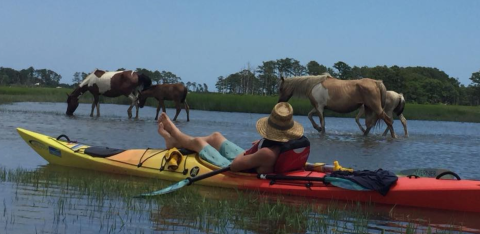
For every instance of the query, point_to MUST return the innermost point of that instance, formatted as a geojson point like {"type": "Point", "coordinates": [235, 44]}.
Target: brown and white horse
{"type": "Point", "coordinates": [170, 92]}
{"type": "Point", "coordinates": [109, 84]}
{"type": "Point", "coordinates": [342, 96]}
{"type": "Point", "coordinates": [395, 102]}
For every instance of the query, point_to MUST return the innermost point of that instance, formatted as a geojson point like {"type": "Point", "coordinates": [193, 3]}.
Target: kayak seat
{"type": "Point", "coordinates": [102, 151]}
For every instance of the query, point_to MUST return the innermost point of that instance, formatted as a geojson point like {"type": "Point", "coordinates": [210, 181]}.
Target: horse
{"type": "Point", "coordinates": [342, 96]}
{"type": "Point", "coordinates": [395, 102]}
{"type": "Point", "coordinates": [170, 92]}
{"type": "Point", "coordinates": [109, 84]}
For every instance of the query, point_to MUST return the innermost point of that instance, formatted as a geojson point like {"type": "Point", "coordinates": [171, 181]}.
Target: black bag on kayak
{"type": "Point", "coordinates": [379, 180]}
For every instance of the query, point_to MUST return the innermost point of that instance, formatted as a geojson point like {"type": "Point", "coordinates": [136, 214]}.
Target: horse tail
{"type": "Point", "coordinates": [185, 91]}
{"type": "Point", "coordinates": [383, 92]}
{"type": "Point", "coordinates": [401, 105]}
{"type": "Point", "coordinates": [145, 81]}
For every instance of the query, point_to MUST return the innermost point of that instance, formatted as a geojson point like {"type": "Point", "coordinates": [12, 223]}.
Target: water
{"type": "Point", "coordinates": [450, 145]}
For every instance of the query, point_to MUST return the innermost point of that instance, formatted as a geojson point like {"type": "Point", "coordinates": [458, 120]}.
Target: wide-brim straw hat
{"type": "Point", "coordinates": [280, 126]}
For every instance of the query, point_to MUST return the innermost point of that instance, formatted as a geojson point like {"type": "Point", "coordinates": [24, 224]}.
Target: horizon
{"type": "Point", "coordinates": [200, 41]}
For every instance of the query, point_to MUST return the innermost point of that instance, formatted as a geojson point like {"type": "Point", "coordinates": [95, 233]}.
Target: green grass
{"type": "Point", "coordinates": [241, 103]}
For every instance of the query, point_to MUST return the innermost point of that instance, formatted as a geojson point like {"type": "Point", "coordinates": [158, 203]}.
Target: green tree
{"type": "Point", "coordinates": [344, 71]}
{"type": "Point", "coordinates": [77, 77]}
{"type": "Point", "coordinates": [315, 69]}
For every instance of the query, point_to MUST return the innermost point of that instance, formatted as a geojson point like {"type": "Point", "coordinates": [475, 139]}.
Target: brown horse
{"type": "Point", "coordinates": [343, 96]}
{"type": "Point", "coordinates": [395, 102]}
{"type": "Point", "coordinates": [109, 84]}
{"type": "Point", "coordinates": [170, 92]}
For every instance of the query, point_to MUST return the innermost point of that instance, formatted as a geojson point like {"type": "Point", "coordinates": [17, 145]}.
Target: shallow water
{"type": "Point", "coordinates": [451, 145]}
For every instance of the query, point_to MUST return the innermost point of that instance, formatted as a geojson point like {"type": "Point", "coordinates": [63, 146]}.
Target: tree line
{"type": "Point", "coordinates": [49, 78]}
{"type": "Point", "coordinates": [423, 85]}
{"type": "Point", "coordinates": [418, 84]}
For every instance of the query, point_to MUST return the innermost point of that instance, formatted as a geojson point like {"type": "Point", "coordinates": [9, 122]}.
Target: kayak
{"type": "Point", "coordinates": [176, 165]}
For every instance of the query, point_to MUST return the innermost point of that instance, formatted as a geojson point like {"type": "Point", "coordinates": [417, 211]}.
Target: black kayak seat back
{"type": "Point", "coordinates": [102, 151]}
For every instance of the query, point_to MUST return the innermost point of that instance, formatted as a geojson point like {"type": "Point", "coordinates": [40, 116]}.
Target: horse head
{"type": "Point", "coordinates": [285, 92]}
{"type": "Point", "coordinates": [141, 100]}
{"type": "Point", "coordinates": [72, 104]}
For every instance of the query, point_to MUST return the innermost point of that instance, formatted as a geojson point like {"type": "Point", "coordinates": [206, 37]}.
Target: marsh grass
{"type": "Point", "coordinates": [105, 203]}
{"type": "Point", "coordinates": [239, 103]}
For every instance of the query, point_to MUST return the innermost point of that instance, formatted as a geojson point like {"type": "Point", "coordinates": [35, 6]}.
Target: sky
{"type": "Point", "coordinates": [202, 40]}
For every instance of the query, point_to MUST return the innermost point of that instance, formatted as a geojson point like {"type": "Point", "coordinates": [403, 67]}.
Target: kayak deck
{"type": "Point", "coordinates": [459, 195]}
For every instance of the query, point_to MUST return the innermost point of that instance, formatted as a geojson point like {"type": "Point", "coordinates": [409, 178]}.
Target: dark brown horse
{"type": "Point", "coordinates": [170, 92]}
{"type": "Point", "coordinates": [342, 96]}
{"type": "Point", "coordinates": [109, 84]}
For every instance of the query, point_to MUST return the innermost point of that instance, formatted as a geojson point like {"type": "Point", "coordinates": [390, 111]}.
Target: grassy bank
{"type": "Point", "coordinates": [241, 103]}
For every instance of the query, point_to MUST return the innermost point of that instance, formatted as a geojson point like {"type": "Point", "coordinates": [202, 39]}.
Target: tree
{"type": "Point", "coordinates": [205, 88]}
{"type": "Point", "coordinates": [315, 69]}
{"type": "Point", "coordinates": [344, 71]}
{"type": "Point", "coordinates": [267, 78]}
{"type": "Point", "coordinates": [475, 78]}
{"type": "Point", "coordinates": [77, 78]}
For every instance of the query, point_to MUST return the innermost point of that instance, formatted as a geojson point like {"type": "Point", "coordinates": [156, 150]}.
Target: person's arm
{"type": "Point", "coordinates": [263, 160]}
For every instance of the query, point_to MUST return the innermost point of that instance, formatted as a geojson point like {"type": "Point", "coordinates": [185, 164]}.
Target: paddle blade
{"type": "Point", "coordinates": [169, 189]}
{"type": "Point", "coordinates": [345, 184]}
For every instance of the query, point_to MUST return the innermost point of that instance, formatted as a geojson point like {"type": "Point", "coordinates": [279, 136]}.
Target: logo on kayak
{"type": "Point", "coordinates": [37, 145]}
{"type": "Point", "coordinates": [54, 151]}
{"type": "Point", "coordinates": [194, 171]}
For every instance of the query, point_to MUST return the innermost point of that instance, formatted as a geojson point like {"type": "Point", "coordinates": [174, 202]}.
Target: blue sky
{"type": "Point", "coordinates": [202, 40]}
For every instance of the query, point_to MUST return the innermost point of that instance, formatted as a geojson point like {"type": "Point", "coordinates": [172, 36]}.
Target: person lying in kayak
{"type": "Point", "coordinates": [283, 147]}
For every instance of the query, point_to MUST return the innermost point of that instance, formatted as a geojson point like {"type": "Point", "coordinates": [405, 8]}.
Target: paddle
{"type": "Point", "coordinates": [335, 181]}
{"type": "Point", "coordinates": [183, 183]}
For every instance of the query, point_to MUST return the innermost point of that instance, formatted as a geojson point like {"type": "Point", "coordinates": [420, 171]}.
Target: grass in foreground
{"type": "Point", "coordinates": [105, 202]}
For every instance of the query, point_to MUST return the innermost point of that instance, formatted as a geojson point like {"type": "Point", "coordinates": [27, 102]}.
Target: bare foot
{"type": "Point", "coordinates": [170, 142]}
{"type": "Point", "coordinates": [167, 123]}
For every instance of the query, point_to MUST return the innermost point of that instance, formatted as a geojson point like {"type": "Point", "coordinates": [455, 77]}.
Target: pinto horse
{"type": "Point", "coordinates": [109, 84]}
{"type": "Point", "coordinates": [395, 102]}
{"type": "Point", "coordinates": [170, 92]}
{"type": "Point", "coordinates": [342, 96]}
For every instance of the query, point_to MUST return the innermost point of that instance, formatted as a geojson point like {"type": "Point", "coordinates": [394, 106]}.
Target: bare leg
{"type": "Point", "coordinates": [182, 140]}
{"type": "Point", "coordinates": [170, 142]}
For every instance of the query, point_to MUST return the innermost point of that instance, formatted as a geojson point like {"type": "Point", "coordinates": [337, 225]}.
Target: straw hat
{"type": "Point", "coordinates": [280, 126]}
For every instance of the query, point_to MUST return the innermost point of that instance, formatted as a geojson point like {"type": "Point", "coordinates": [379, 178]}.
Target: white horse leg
{"type": "Point", "coordinates": [404, 123]}
{"type": "Point", "coordinates": [95, 104]}
{"type": "Point", "coordinates": [322, 118]}
{"type": "Point", "coordinates": [134, 100]}
{"type": "Point", "coordinates": [357, 118]}
{"type": "Point", "coordinates": [98, 109]}
{"type": "Point", "coordinates": [310, 117]}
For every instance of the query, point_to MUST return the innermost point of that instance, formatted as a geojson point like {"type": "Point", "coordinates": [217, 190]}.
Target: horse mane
{"type": "Point", "coordinates": [302, 86]}
{"type": "Point", "coordinates": [144, 80]}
